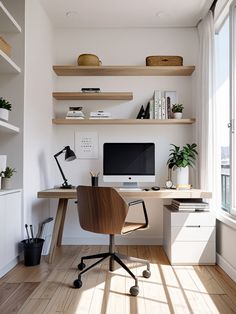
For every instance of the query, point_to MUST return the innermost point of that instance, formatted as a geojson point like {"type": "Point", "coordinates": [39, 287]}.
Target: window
{"type": "Point", "coordinates": [226, 105]}
{"type": "Point", "coordinates": [223, 110]}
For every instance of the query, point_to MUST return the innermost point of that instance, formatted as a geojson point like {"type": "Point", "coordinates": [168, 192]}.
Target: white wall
{"type": "Point", "coordinates": [37, 110]}
{"type": "Point", "coordinates": [225, 247]}
{"type": "Point", "coordinates": [122, 47]}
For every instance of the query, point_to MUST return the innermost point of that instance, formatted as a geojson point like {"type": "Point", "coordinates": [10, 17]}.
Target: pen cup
{"type": "Point", "coordinates": [94, 181]}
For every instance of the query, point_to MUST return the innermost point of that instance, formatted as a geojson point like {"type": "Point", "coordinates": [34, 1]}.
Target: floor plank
{"type": "Point", "coordinates": [18, 298]}
{"type": "Point", "coordinates": [48, 288]}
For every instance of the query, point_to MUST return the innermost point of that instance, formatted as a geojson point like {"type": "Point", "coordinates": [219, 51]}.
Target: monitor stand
{"type": "Point", "coordinates": [130, 186]}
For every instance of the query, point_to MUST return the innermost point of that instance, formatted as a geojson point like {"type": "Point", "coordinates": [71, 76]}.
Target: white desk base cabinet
{"type": "Point", "coordinates": [189, 237]}
{"type": "Point", "coordinates": [10, 229]}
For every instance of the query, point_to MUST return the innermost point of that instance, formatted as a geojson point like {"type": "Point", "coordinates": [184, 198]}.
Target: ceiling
{"type": "Point", "coordinates": [125, 13]}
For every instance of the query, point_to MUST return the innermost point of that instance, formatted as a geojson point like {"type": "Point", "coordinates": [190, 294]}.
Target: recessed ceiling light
{"type": "Point", "coordinates": [71, 13]}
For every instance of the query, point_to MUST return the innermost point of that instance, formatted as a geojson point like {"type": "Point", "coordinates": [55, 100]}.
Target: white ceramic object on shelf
{"type": "Point", "coordinates": [3, 162]}
{"type": "Point", "coordinates": [178, 115]}
{"type": "Point", "coordinates": [4, 114]}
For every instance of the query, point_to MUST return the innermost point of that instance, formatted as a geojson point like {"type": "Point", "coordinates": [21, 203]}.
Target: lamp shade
{"type": "Point", "coordinates": [69, 154]}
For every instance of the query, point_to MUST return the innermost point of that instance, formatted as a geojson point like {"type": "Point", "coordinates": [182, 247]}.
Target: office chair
{"type": "Point", "coordinates": [103, 210]}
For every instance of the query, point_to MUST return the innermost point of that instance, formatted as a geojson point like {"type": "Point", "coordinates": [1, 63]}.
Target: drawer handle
{"type": "Point", "coordinates": [193, 226]}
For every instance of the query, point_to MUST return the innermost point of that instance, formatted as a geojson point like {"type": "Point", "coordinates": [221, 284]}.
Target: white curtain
{"type": "Point", "coordinates": [232, 31]}
{"type": "Point", "coordinates": [205, 108]}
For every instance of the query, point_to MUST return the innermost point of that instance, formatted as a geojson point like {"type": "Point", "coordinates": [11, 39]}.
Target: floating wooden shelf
{"type": "Point", "coordinates": [64, 70]}
{"type": "Point", "coordinates": [7, 22]}
{"type": "Point", "coordinates": [7, 65]}
{"type": "Point", "coordinates": [122, 121]}
{"type": "Point", "coordinates": [93, 96]}
{"type": "Point", "coordinates": [6, 127]}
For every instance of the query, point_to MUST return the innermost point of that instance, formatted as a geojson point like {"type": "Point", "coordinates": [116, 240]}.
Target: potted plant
{"type": "Point", "coordinates": [177, 110]}
{"type": "Point", "coordinates": [5, 107]}
{"type": "Point", "coordinates": [6, 177]}
{"type": "Point", "coordinates": [180, 160]}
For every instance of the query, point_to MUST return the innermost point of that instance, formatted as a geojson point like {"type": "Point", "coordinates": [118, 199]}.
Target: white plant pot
{"type": "Point", "coordinates": [182, 176]}
{"type": "Point", "coordinates": [178, 115]}
{"type": "Point", "coordinates": [6, 183]}
{"type": "Point", "coordinates": [4, 114]}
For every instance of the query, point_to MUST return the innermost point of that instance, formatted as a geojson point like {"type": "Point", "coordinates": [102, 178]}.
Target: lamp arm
{"type": "Point", "coordinates": [63, 176]}
{"type": "Point", "coordinates": [59, 153]}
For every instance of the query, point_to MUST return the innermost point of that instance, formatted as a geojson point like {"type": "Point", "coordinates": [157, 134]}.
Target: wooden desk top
{"type": "Point", "coordinates": [163, 193]}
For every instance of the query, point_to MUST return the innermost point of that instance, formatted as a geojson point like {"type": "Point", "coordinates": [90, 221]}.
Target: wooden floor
{"type": "Point", "coordinates": [181, 289]}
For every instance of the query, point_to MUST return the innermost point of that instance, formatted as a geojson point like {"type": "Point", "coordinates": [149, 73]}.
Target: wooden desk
{"type": "Point", "coordinates": [64, 195]}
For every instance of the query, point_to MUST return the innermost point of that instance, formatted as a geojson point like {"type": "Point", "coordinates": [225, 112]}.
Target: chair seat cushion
{"type": "Point", "coordinates": [131, 226]}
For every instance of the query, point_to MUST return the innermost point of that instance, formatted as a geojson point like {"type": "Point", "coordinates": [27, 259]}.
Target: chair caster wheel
{"type": "Point", "coordinates": [78, 283]}
{"type": "Point", "coordinates": [146, 273]}
{"type": "Point", "coordinates": [134, 291]}
{"type": "Point", "coordinates": [81, 266]}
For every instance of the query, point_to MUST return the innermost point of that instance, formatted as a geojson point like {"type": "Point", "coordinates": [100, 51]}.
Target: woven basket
{"type": "Point", "coordinates": [88, 59]}
{"type": "Point", "coordinates": [164, 60]}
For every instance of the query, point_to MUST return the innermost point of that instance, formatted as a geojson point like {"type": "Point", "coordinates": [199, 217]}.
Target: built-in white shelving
{"type": "Point", "coordinates": [6, 127]}
{"type": "Point", "coordinates": [7, 21]}
{"type": "Point", "coordinates": [7, 65]}
{"type": "Point", "coordinates": [7, 24]}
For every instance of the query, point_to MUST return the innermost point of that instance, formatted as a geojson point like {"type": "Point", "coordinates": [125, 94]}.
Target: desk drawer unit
{"type": "Point", "coordinates": [189, 237]}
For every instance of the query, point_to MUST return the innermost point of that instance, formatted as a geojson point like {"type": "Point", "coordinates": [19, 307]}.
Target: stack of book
{"type": "Point", "coordinates": [100, 114]}
{"type": "Point", "coordinates": [161, 104]}
{"type": "Point", "coordinates": [189, 204]}
{"type": "Point", "coordinates": [75, 113]}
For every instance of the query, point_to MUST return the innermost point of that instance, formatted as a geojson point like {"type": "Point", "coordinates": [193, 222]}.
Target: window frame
{"type": "Point", "coordinates": [231, 13]}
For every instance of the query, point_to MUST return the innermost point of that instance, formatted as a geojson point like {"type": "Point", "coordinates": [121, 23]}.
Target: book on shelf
{"type": "Point", "coordinates": [75, 112]}
{"type": "Point", "coordinates": [189, 205]}
{"type": "Point", "coordinates": [78, 118]}
{"type": "Point", "coordinates": [163, 108]}
{"type": "Point", "coordinates": [99, 118]}
{"type": "Point", "coordinates": [100, 114]}
{"type": "Point", "coordinates": [203, 206]}
{"type": "Point", "coordinates": [162, 103]}
{"type": "Point", "coordinates": [157, 104]}
{"type": "Point", "coordinates": [151, 109]}
{"type": "Point", "coordinates": [171, 99]}
{"type": "Point", "coordinates": [189, 201]}
{"type": "Point", "coordinates": [90, 90]}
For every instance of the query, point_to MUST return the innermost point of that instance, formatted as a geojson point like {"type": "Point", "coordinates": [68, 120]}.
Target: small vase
{"type": "Point", "coordinates": [4, 114]}
{"type": "Point", "coordinates": [6, 183]}
{"type": "Point", "coordinates": [178, 115]}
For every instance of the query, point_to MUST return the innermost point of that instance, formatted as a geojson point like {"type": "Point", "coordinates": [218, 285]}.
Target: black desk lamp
{"type": "Point", "coordinates": [69, 156]}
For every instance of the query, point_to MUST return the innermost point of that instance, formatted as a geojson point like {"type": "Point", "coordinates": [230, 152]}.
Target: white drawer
{"type": "Point", "coordinates": [196, 233]}
{"type": "Point", "coordinates": [193, 253]}
{"type": "Point", "coordinates": [192, 219]}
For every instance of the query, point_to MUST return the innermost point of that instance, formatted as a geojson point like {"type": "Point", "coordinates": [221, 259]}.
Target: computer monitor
{"type": "Point", "coordinates": [129, 163]}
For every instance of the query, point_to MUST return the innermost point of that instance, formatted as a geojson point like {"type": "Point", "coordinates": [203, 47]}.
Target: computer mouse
{"type": "Point", "coordinates": [155, 188]}
{"type": "Point", "coordinates": [146, 189]}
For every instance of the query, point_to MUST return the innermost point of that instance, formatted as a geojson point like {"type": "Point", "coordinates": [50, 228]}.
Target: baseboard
{"type": "Point", "coordinates": [226, 266]}
{"type": "Point", "coordinates": [119, 241]}
{"type": "Point", "coordinates": [9, 266]}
